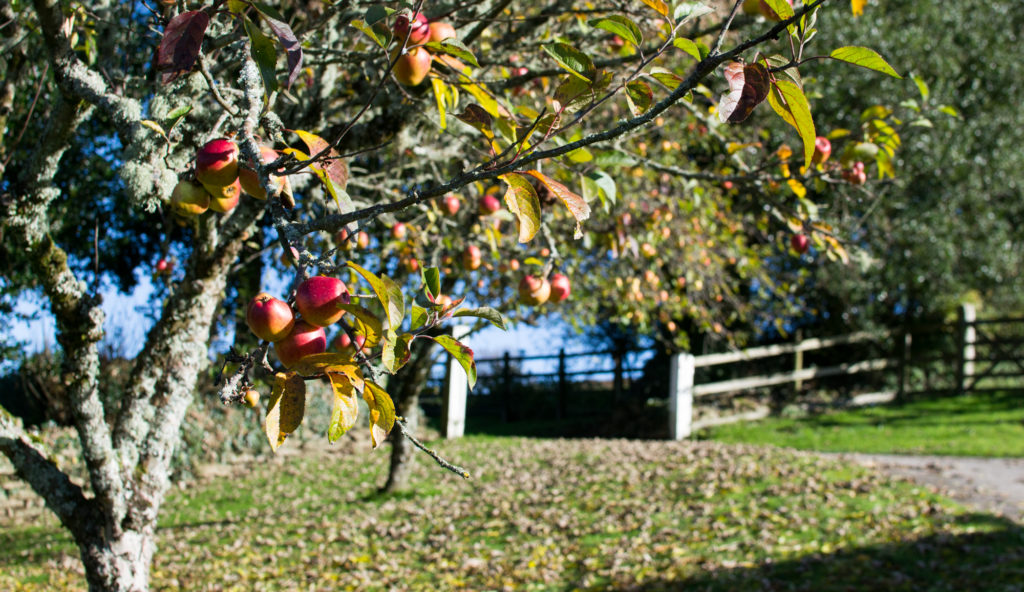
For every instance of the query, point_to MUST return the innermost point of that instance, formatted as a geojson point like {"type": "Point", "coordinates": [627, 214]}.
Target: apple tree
{"type": "Point", "coordinates": [218, 135]}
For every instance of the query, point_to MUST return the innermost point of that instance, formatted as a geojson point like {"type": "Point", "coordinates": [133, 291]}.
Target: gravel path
{"type": "Point", "coordinates": [987, 484]}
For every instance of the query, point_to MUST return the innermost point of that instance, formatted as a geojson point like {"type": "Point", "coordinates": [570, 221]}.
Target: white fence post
{"type": "Point", "coordinates": [456, 387]}
{"type": "Point", "coordinates": [968, 338]}
{"type": "Point", "coordinates": [680, 396]}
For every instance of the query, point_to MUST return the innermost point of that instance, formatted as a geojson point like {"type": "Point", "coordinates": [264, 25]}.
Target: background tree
{"type": "Point", "coordinates": [367, 136]}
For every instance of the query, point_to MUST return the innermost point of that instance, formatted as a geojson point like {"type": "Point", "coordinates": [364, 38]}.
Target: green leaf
{"type": "Point", "coordinates": [666, 77]}
{"type": "Point", "coordinates": [484, 312]}
{"type": "Point", "coordinates": [573, 60]}
{"type": "Point", "coordinates": [949, 110]}
{"type": "Point", "coordinates": [286, 408]}
{"type": "Point", "coordinates": [605, 182]}
{"type": "Point", "coordinates": [639, 97]}
{"type": "Point", "coordinates": [521, 199]}
{"type": "Point", "coordinates": [621, 26]}
{"type": "Point", "coordinates": [345, 411]}
{"type": "Point", "coordinates": [395, 352]}
{"type": "Point", "coordinates": [689, 47]}
{"type": "Point", "coordinates": [389, 294]}
{"type": "Point", "coordinates": [370, 32]}
{"type": "Point", "coordinates": [432, 281]}
{"type": "Point", "coordinates": [865, 58]}
{"type": "Point", "coordinates": [417, 317]}
{"type": "Point", "coordinates": [382, 412]}
{"type": "Point", "coordinates": [922, 86]}
{"type": "Point", "coordinates": [461, 353]}
{"type": "Point", "coordinates": [377, 13]}
{"type": "Point", "coordinates": [454, 47]}
{"type": "Point", "coordinates": [264, 53]}
{"type": "Point", "coordinates": [533, 261]}
{"type": "Point", "coordinates": [686, 11]}
{"type": "Point", "coordinates": [789, 101]}
{"type": "Point", "coordinates": [781, 8]}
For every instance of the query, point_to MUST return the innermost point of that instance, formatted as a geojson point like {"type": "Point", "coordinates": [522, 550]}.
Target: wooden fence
{"type": "Point", "coordinates": [967, 354]}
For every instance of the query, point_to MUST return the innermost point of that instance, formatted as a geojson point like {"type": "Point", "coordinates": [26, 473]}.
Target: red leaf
{"type": "Point", "coordinates": [577, 205]}
{"type": "Point", "coordinates": [291, 45]}
{"type": "Point", "coordinates": [748, 88]}
{"type": "Point", "coordinates": [336, 167]}
{"type": "Point", "coordinates": [180, 46]}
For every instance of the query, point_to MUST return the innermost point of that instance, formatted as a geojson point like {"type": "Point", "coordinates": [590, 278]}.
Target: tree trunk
{"type": "Point", "coordinates": [118, 565]}
{"type": "Point", "coordinates": [410, 382]}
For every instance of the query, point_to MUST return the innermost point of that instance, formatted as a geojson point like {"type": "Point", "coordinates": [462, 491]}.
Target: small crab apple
{"type": "Point", "coordinates": [534, 290]}
{"type": "Point", "coordinates": [800, 243]}
{"type": "Point", "coordinates": [560, 287]}
{"type": "Point", "coordinates": [189, 198]}
{"type": "Point", "coordinates": [489, 204]}
{"type": "Point", "coordinates": [268, 318]}
{"type": "Point", "coordinates": [318, 298]}
{"type": "Point", "coordinates": [224, 199]}
{"type": "Point", "coordinates": [399, 231]}
{"type": "Point", "coordinates": [417, 29]}
{"type": "Point", "coordinates": [303, 340]}
{"type": "Point", "coordinates": [250, 181]}
{"type": "Point", "coordinates": [451, 205]}
{"type": "Point", "coordinates": [444, 301]}
{"type": "Point", "coordinates": [440, 31]}
{"type": "Point", "coordinates": [362, 239]}
{"type": "Point", "coordinates": [855, 175]}
{"type": "Point", "coordinates": [412, 66]}
{"type": "Point", "coordinates": [163, 266]}
{"type": "Point", "coordinates": [217, 163]}
{"type": "Point", "coordinates": [822, 150]}
{"type": "Point", "coordinates": [343, 341]}
{"type": "Point", "coordinates": [472, 258]}
{"type": "Point", "coordinates": [251, 398]}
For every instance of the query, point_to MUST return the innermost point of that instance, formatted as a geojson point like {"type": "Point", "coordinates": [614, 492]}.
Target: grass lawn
{"type": "Point", "coordinates": [972, 425]}
{"type": "Point", "coordinates": [549, 514]}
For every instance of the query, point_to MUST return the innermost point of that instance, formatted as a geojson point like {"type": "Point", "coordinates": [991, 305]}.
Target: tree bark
{"type": "Point", "coordinates": [410, 382]}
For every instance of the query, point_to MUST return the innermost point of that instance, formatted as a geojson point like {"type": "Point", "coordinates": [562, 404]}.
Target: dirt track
{"type": "Point", "coordinates": [986, 484]}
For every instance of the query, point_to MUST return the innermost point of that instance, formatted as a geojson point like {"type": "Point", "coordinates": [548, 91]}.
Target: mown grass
{"type": "Point", "coordinates": [556, 515]}
{"type": "Point", "coordinates": [972, 425]}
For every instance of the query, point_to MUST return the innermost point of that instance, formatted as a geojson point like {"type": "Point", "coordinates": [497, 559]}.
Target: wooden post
{"type": "Point", "coordinates": [453, 414]}
{"type": "Point", "coordinates": [563, 384]}
{"type": "Point", "coordinates": [680, 396]}
{"type": "Point", "coordinates": [967, 335]}
{"type": "Point", "coordinates": [798, 362]}
{"type": "Point", "coordinates": [506, 388]}
{"type": "Point", "coordinates": [904, 368]}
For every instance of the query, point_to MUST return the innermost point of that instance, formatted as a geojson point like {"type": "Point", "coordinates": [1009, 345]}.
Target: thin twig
{"type": "Point", "coordinates": [445, 464]}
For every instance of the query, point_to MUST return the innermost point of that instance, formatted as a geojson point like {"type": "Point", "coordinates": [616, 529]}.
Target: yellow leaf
{"type": "Point", "coordinates": [382, 412]}
{"type": "Point", "coordinates": [657, 5]}
{"type": "Point", "coordinates": [153, 126]}
{"type": "Point", "coordinates": [858, 6]}
{"type": "Point", "coordinates": [796, 187]}
{"type": "Point", "coordinates": [286, 408]}
{"type": "Point", "coordinates": [318, 363]}
{"type": "Point", "coordinates": [346, 407]}
{"type": "Point", "coordinates": [439, 94]}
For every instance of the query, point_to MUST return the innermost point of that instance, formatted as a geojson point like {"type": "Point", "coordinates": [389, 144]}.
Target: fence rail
{"type": "Point", "coordinates": [977, 354]}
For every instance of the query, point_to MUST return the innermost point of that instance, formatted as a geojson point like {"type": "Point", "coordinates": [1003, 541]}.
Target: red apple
{"type": "Point", "coordinates": [318, 298]}
{"type": "Point", "coordinates": [800, 243]}
{"type": "Point", "coordinates": [362, 239]}
{"type": "Point", "coordinates": [418, 31]}
{"type": "Point", "coordinates": [489, 204]}
{"type": "Point", "coordinates": [343, 341]}
{"type": "Point", "coordinates": [189, 198]}
{"type": "Point", "coordinates": [412, 67]}
{"type": "Point", "coordinates": [268, 318]}
{"type": "Point", "coordinates": [164, 266]}
{"type": "Point", "coordinates": [822, 150]}
{"type": "Point", "coordinates": [398, 231]}
{"type": "Point", "coordinates": [768, 13]}
{"type": "Point", "coordinates": [560, 287]}
{"type": "Point", "coordinates": [224, 199]}
{"type": "Point", "coordinates": [534, 290]}
{"type": "Point", "coordinates": [513, 264]}
{"type": "Point", "coordinates": [728, 185]}
{"type": "Point", "coordinates": [471, 258]}
{"type": "Point", "coordinates": [250, 180]}
{"type": "Point", "coordinates": [856, 175]}
{"type": "Point", "coordinates": [217, 163]}
{"type": "Point", "coordinates": [452, 205]}
{"type": "Point", "coordinates": [303, 340]}
{"type": "Point", "coordinates": [440, 31]}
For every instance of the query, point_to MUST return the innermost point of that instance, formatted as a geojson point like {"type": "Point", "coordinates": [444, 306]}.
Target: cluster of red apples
{"type": "Point", "coordinates": [220, 180]}
{"type": "Point", "coordinates": [412, 66]}
{"type": "Point", "coordinates": [318, 301]}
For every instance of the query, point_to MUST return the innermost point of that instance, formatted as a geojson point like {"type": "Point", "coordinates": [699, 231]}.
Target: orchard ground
{"type": "Point", "coordinates": [552, 514]}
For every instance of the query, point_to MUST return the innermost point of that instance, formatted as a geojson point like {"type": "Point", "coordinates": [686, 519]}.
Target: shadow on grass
{"type": "Point", "coordinates": [992, 560]}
